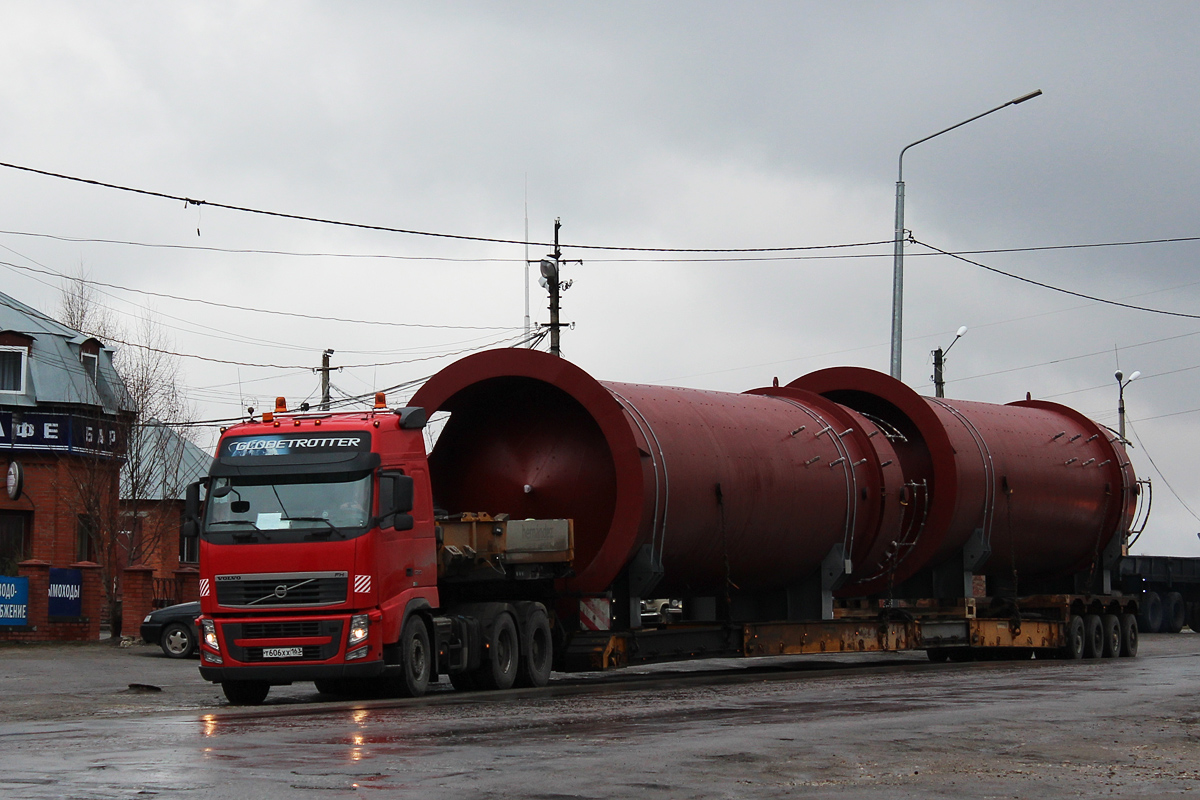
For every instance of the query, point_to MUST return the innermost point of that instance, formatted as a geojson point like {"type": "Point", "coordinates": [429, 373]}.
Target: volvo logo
{"type": "Point", "coordinates": [281, 591]}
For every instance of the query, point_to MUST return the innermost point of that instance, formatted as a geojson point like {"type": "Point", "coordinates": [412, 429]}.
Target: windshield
{"type": "Point", "coordinates": [317, 503]}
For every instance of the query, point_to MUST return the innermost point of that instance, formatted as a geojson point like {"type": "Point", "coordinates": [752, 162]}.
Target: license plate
{"type": "Point", "coordinates": [283, 652]}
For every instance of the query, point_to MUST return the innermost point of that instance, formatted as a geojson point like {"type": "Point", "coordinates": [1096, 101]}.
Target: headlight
{"type": "Point", "coordinates": [210, 634]}
{"type": "Point", "coordinates": [358, 630]}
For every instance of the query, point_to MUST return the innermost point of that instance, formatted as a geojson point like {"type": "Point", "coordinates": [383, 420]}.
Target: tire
{"type": "Point", "coordinates": [245, 693]}
{"type": "Point", "coordinates": [1093, 636]}
{"type": "Point", "coordinates": [537, 649]}
{"type": "Point", "coordinates": [937, 655]}
{"type": "Point", "coordinates": [1194, 617]}
{"type": "Point", "coordinates": [1112, 635]}
{"type": "Point", "coordinates": [416, 657]}
{"type": "Point", "coordinates": [1173, 613]}
{"type": "Point", "coordinates": [1129, 636]}
{"type": "Point", "coordinates": [1072, 650]}
{"type": "Point", "coordinates": [502, 656]}
{"type": "Point", "coordinates": [1150, 613]}
{"type": "Point", "coordinates": [177, 641]}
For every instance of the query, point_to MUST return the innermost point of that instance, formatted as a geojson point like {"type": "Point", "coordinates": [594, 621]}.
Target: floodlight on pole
{"type": "Point", "coordinates": [898, 253]}
{"type": "Point", "coordinates": [1122, 382]}
{"type": "Point", "coordinates": [939, 355]}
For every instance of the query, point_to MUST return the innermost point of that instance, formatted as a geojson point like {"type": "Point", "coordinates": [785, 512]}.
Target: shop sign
{"type": "Point", "coordinates": [14, 601]}
{"type": "Point", "coordinates": [66, 590]}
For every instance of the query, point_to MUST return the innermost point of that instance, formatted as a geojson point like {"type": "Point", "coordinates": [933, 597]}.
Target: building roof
{"type": "Point", "coordinates": [55, 374]}
{"type": "Point", "coordinates": [163, 465]}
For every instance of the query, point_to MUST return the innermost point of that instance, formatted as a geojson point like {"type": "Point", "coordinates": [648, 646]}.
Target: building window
{"type": "Point", "coordinates": [12, 369]}
{"type": "Point", "coordinates": [189, 547]}
{"type": "Point", "coordinates": [91, 363]}
{"type": "Point", "coordinates": [85, 538]}
{"type": "Point", "coordinates": [15, 545]}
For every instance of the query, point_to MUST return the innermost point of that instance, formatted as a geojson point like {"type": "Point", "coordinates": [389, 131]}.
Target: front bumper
{"type": "Point", "coordinates": [279, 674]}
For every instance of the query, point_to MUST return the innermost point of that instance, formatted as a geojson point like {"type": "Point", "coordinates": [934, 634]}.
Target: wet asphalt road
{"type": "Point", "coordinates": [71, 727]}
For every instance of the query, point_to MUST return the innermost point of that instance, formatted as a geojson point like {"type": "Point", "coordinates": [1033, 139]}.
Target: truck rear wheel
{"type": "Point", "coordinates": [415, 657]}
{"type": "Point", "coordinates": [1093, 636]}
{"type": "Point", "coordinates": [537, 649]}
{"type": "Point", "coordinates": [1112, 635]}
{"type": "Point", "coordinates": [499, 670]}
{"type": "Point", "coordinates": [245, 693]}
{"type": "Point", "coordinates": [1194, 617]}
{"type": "Point", "coordinates": [1129, 636]}
{"type": "Point", "coordinates": [1150, 613]}
{"type": "Point", "coordinates": [1173, 612]}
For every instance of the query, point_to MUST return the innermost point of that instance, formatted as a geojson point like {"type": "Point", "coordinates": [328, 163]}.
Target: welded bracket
{"type": "Point", "coordinates": [812, 597]}
{"type": "Point", "coordinates": [955, 578]}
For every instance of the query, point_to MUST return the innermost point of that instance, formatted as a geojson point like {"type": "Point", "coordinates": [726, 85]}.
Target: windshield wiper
{"type": "Point", "coordinates": [332, 528]}
{"type": "Point", "coordinates": [241, 536]}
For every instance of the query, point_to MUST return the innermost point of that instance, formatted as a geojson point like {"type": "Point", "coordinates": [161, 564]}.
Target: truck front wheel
{"type": "Point", "coordinates": [415, 657]}
{"type": "Point", "coordinates": [245, 693]}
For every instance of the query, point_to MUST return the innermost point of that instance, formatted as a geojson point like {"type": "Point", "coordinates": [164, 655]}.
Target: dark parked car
{"type": "Point", "coordinates": [173, 629]}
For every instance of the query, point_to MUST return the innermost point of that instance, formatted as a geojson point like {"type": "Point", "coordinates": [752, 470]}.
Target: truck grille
{"type": "Point", "coordinates": [278, 630]}
{"type": "Point", "coordinates": [289, 589]}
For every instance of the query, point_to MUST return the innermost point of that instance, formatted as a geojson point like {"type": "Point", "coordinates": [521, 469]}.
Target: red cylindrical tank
{"type": "Point", "coordinates": [739, 490]}
{"type": "Point", "coordinates": [1047, 487]}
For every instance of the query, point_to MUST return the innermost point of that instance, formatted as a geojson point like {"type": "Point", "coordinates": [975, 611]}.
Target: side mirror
{"type": "Point", "coordinates": [396, 500]}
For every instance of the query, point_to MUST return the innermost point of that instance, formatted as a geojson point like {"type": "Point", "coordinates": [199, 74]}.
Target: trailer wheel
{"type": "Point", "coordinates": [1173, 612]}
{"type": "Point", "coordinates": [1073, 648]}
{"type": "Point", "coordinates": [1150, 613]}
{"type": "Point", "coordinates": [464, 681]}
{"type": "Point", "coordinates": [415, 657]}
{"type": "Point", "coordinates": [1112, 635]}
{"type": "Point", "coordinates": [245, 693]}
{"type": "Point", "coordinates": [1194, 618]}
{"type": "Point", "coordinates": [503, 654]}
{"type": "Point", "coordinates": [1129, 636]}
{"type": "Point", "coordinates": [537, 649]}
{"type": "Point", "coordinates": [937, 655]}
{"type": "Point", "coordinates": [1093, 636]}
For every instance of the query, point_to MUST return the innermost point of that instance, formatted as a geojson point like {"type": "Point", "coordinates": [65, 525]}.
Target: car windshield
{"type": "Point", "coordinates": [333, 503]}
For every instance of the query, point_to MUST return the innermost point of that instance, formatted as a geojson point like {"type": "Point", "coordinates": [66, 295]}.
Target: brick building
{"type": "Point", "coordinates": [63, 414]}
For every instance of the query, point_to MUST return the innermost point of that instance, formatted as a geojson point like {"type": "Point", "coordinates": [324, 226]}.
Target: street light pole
{"type": "Point", "coordinates": [1121, 384]}
{"type": "Point", "coordinates": [939, 356]}
{"type": "Point", "coordinates": [898, 250]}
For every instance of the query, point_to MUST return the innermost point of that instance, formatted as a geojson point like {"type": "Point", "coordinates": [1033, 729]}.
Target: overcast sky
{"type": "Point", "coordinates": [670, 124]}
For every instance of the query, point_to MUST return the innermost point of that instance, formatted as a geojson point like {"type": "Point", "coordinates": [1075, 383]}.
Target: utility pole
{"type": "Point", "coordinates": [324, 370]}
{"type": "Point", "coordinates": [551, 280]}
{"type": "Point", "coordinates": [939, 362]}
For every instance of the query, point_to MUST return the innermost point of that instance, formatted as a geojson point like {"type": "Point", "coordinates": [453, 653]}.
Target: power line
{"type": "Point", "coordinates": [1057, 288]}
{"type": "Point", "coordinates": [1146, 453]}
{"type": "Point", "coordinates": [385, 229]}
{"type": "Point", "coordinates": [232, 307]}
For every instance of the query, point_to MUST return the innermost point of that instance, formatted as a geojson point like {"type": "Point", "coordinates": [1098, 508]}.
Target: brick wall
{"type": "Point", "coordinates": [41, 627]}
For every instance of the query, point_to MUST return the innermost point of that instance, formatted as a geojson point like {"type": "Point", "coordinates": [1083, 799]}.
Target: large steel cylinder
{"type": "Point", "coordinates": [1045, 487]}
{"type": "Point", "coordinates": [737, 492]}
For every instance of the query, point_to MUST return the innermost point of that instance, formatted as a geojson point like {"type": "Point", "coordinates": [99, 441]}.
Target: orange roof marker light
{"type": "Point", "coordinates": [280, 405]}
{"type": "Point", "coordinates": [380, 400]}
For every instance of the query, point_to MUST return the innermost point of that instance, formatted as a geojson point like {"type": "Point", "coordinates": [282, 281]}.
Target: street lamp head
{"type": "Point", "coordinates": [961, 332]}
{"type": "Point", "coordinates": [549, 269]}
{"type": "Point", "coordinates": [1134, 376]}
{"type": "Point", "coordinates": [1120, 376]}
{"type": "Point", "coordinates": [1029, 96]}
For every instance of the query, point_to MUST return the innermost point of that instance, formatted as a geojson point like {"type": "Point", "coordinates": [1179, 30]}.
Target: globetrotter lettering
{"type": "Point", "coordinates": [281, 444]}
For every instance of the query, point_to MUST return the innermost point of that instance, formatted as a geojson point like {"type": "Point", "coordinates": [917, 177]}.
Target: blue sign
{"type": "Point", "coordinates": [64, 432]}
{"type": "Point", "coordinates": [14, 601]}
{"type": "Point", "coordinates": [66, 590]}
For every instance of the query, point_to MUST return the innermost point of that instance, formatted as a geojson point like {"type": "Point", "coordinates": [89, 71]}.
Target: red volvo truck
{"type": "Point", "coordinates": [841, 512]}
